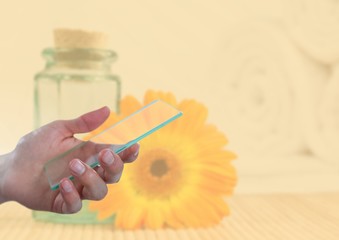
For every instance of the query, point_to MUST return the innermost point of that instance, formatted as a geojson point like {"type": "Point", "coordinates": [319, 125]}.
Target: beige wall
{"type": "Point", "coordinates": [168, 45]}
{"type": "Point", "coordinates": [249, 61]}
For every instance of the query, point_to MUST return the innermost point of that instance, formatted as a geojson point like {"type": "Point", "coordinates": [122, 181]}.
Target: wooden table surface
{"type": "Point", "coordinates": [264, 217]}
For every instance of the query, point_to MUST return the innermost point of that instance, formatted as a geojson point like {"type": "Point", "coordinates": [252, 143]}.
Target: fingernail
{"type": "Point", "coordinates": [136, 150]}
{"type": "Point", "coordinates": [66, 186]}
{"type": "Point", "coordinates": [117, 178]}
{"type": "Point", "coordinates": [77, 167]}
{"type": "Point", "coordinates": [108, 157]}
{"type": "Point", "coordinates": [133, 156]}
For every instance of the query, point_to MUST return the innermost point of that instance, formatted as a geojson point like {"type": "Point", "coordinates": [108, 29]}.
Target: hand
{"type": "Point", "coordinates": [21, 171]}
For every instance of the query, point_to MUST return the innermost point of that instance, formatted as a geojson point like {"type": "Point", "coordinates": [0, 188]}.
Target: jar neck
{"type": "Point", "coordinates": [78, 59]}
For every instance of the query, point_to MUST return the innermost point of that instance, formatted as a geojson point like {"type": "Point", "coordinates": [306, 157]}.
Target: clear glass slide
{"type": "Point", "coordinates": [119, 136]}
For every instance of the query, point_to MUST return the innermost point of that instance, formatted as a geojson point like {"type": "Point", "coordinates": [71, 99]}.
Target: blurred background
{"type": "Point", "coordinates": [266, 69]}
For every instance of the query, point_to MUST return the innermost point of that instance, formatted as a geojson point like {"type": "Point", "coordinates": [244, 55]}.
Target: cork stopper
{"type": "Point", "coordinates": [73, 38]}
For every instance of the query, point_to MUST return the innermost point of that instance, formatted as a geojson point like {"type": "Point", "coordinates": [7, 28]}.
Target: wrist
{"type": "Point", "coordinates": [3, 179]}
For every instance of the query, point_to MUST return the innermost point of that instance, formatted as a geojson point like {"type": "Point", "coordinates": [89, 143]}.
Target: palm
{"type": "Point", "coordinates": [52, 142]}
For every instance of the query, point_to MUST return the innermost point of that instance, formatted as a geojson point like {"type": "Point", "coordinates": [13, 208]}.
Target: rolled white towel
{"type": "Point", "coordinates": [257, 75]}
{"type": "Point", "coordinates": [314, 25]}
{"type": "Point", "coordinates": [322, 116]}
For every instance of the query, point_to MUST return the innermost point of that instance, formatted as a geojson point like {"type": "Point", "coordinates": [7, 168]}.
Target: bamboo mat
{"type": "Point", "coordinates": [278, 216]}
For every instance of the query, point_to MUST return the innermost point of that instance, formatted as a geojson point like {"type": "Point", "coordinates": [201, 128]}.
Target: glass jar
{"type": "Point", "coordinates": [73, 82]}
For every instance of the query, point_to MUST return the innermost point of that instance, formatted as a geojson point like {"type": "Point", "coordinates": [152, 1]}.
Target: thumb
{"type": "Point", "coordinates": [87, 122]}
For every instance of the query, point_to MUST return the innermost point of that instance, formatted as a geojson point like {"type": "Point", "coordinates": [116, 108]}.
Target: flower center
{"type": "Point", "coordinates": [159, 175]}
{"type": "Point", "coordinates": [159, 168]}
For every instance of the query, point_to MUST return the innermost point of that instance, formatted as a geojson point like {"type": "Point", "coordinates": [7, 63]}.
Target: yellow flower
{"type": "Point", "coordinates": [181, 176]}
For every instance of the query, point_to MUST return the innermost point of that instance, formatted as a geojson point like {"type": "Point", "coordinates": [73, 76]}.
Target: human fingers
{"type": "Point", "coordinates": [87, 122]}
{"type": "Point", "coordinates": [130, 154]}
{"type": "Point", "coordinates": [112, 166]}
{"type": "Point", "coordinates": [90, 185]}
{"type": "Point", "coordinates": [71, 200]}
